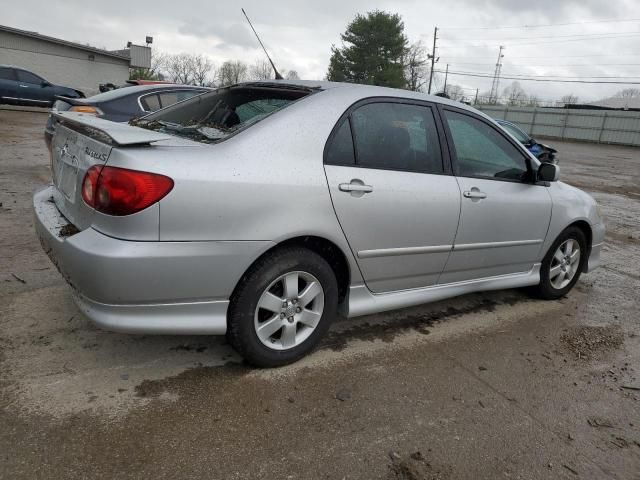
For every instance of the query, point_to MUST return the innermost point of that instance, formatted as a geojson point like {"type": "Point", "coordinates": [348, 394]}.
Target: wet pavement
{"type": "Point", "coordinates": [494, 385]}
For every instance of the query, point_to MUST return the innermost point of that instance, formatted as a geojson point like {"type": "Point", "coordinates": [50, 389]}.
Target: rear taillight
{"type": "Point", "coordinates": [119, 191]}
{"type": "Point", "coordinates": [86, 109]}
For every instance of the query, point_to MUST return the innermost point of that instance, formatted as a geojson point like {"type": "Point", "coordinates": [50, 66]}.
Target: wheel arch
{"type": "Point", "coordinates": [588, 233]}
{"type": "Point", "coordinates": [327, 249]}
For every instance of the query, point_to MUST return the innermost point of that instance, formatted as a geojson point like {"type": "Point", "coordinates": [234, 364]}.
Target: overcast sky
{"type": "Point", "coordinates": [299, 34]}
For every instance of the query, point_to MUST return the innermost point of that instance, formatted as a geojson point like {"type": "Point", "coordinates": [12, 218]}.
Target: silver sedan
{"type": "Point", "coordinates": [262, 210]}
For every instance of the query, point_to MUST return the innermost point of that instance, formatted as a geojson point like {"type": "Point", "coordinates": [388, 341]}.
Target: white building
{"type": "Point", "coordinates": [69, 64]}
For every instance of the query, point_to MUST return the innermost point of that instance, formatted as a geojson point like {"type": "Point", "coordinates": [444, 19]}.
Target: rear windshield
{"type": "Point", "coordinates": [214, 116]}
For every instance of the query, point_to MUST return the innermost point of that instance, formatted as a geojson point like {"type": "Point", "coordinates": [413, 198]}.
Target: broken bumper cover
{"type": "Point", "coordinates": [145, 287]}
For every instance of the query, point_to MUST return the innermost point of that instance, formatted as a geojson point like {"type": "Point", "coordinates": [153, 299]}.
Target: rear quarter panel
{"type": "Point", "coordinates": [265, 183]}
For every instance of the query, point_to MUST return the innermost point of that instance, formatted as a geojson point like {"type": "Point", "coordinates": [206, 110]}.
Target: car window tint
{"type": "Point", "coordinates": [150, 103]}
{"type": "Point", "coordinates": [6, 74]}
{"type": "Point", "coordinates": [340, 148]}
{"type": "Point", "coordinates": [481, 151]}
{"type": "Point", "coordinates": [516, 132]}
{"type": "Point", "coordinates": [169, 98]}
{"type": "Point", "coordinates": [28, 77]}
{"type": "Point", "coordinates": [397, 136]}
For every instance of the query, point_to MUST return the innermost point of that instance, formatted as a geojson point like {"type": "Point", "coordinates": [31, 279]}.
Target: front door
{"type": "Point", "coordinates": [504, 217]}
{"type": "Point", "coordinates": [32, 89]}
{"type": "Point", "coordinates": [395, 202]}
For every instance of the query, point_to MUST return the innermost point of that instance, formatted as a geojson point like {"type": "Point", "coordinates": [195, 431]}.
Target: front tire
{"type": "Point", "coordinates": [563, 264]}
{"type": "Point", "coordinates": [282, 307]}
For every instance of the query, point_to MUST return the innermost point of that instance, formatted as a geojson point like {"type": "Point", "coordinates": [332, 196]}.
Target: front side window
{"type": "Point", "coordinates": [169, 98]}
{"type": "Point", "coordinates": [28, 77]}
{"type": "Point", "coordinates": [396, 136]}
{"type": "Point", "coordinates": [150, 103]}
{"type": "Point", "coordinates": [483, 152]}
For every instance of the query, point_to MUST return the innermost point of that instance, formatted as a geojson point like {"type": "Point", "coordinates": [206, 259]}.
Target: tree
{"type": "Point", "coordinates": [455, 92]}
{"type": "Point", "coordinates": [533, 101]}
{"type": "Point", "coordinates": [232, 72]}
{"type": "Point", "coordinates": [628, 93]}
{"type": "Point", "coordinates": [372, 52]}
{"type": "Point", "coordinates": [292, 75]}
{"type": "Point", "coordinates": [261, 70]}
{"type": "Point", "coordinates": [179, 68]}
{"type": "Point", "coordinates": [569, 99]}
{"type": "Point", "coordinates": [515, 94]}
{"type": "Point", "coordinates": [415, 67]}
{"type": "Point", "coordinates": [201, 67]}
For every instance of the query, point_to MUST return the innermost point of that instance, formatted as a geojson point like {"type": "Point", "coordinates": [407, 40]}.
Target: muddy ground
{"type": "Point", "coordinates": [490, 386]}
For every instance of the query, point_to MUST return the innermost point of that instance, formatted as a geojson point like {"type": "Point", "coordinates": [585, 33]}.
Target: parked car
{"type": "Point", "coordinates": [21, 87]}
{"type": "Point", "coordinates": [262, 209]}
{"type": "Point", "coordinates": [122, 105]}
{"type": "Point", "coordinates": [542, 152]}
{"type": "Point", "coordinates": [106, 87]}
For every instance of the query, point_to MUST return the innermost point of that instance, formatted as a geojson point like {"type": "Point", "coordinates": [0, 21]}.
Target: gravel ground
{"type": "Point", "coordinates": [496, 385]}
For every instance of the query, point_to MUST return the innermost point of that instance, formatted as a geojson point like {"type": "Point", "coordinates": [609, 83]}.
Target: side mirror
{"type": "Point", "coordinates": [44, 83]}
{"type": "Point", "coordinates": [548, 172]}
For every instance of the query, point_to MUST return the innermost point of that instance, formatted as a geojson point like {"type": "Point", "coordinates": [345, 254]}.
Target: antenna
{"type": "Point", "coordinates": [278, 76]}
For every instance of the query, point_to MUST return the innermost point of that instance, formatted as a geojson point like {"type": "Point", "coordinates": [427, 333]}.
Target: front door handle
{"type": "Point", "coordinates": [474, 193]}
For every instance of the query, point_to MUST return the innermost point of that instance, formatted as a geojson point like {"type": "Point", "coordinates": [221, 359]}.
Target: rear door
{"type": "Point", "coordinates": [504, 216]}
{"type": "Point", "coordinates": [8, 84]}
{"type": "Point", "coordinates": [392, 192]}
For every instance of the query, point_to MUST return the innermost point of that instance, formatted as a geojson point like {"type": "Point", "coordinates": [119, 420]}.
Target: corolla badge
{"type": "Point", "coordinates": [96, 155]}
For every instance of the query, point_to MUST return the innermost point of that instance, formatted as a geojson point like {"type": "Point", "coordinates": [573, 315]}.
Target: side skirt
{"type": "Point", "coordinates": [363, 302]}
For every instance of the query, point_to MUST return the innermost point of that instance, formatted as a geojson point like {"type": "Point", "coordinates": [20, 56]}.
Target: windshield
{"type": "Point", "coordinates": [213, 116]}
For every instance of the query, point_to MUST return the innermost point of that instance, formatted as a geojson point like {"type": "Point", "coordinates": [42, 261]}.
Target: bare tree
{"type": "Point", "coordinates": [292, 75]}
{"type": "Point", "coordinates": [533, 101]}
{"type": "Point", "coordinates": [202, 68]}
{"type": "Point", "coordinates": [628, 93]}
{"type": "Point", "coordinates": [569, 99]}
{"type": "Point", "coordinates": [415, 66]}
{"type": "Point", "coordinates": [231, 72]}
{"type": "Point", "coordinates": [261, 70]}
{"type": "Point", "coordinates": [179, 68]}
{"type": "Point", "coordinates": [455, 92]}
{"type": "Point", "coordinates": [515, 94]}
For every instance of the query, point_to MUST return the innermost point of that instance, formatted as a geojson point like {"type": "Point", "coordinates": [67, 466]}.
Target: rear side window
{"type": "Point", "coordinates": [483, 152]}
{"type": "Point", "coordinates": [169, 98]}
{"type": "Point", "coordinates": [150, 103]}
{"type": "Point", "coordinates": [28, 77]}
{"type": "Point", "coordinates": [396, 136]}
{"type": "Point", "coordinates": [7, 74]}
{"type": "Point", "coordinates": [340, 147]}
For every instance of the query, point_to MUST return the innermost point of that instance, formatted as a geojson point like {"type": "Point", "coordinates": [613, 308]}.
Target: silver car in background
{"type": "Point", "coordinates": [263, 209]}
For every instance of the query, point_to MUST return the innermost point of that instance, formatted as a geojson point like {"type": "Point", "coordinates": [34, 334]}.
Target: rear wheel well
{"type": "Point", "coordinates": [327, 250]}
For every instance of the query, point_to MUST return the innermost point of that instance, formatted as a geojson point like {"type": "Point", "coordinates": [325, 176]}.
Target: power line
{"type": "Point", "coordinates": [555, 56]}
{"type": "Point", "coordinates": [575, 35]}
{"type": "Point", "coordinates": [585, 22]}
{"type": "Point", "coordinates": [484, 75]}
{"type": "Point", "coordinates": [554, 65]}
{"type": "Point", "coordinates": [557, 76]}
{"type": "Point", "coordinates": [545, 42]}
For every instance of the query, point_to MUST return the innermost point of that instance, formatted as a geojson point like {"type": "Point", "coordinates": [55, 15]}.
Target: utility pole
{"type": "Point", "coordinates": [493, 97]}
{"type": "Point", "coordinates": [446, 74]}
{"type": "Point", "coordinates": [432, 56]}
{"type": "Point", "coordinates": [476, 100]}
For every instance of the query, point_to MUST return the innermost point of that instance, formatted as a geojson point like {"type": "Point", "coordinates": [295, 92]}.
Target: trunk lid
{"type": "Point", "coordinates": [81, 141]}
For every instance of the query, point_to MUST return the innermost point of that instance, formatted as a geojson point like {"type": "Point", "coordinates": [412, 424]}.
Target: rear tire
{"type": "Point", "coordinates": [282, 307]}
{"type": "Point", "coordinates": [562, 265]}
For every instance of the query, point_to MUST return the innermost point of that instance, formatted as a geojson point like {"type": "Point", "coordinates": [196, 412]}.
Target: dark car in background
{"type": "Point", "coordinates": [22, 87]}
{"type": "Point", "coordinates": [123, 104]}
{"type": "Point", "coordinates": [542, 152]}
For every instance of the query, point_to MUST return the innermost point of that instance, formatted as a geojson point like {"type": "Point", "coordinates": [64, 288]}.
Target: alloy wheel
{"type": "Point", "coordinates": [564, 264]}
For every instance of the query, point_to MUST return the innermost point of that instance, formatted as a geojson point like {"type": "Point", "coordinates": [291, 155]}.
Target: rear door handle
{"type": "Point", "coordinates": [474, 193]}
{"type": "Point", "coordinates": [355, 187]}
